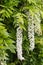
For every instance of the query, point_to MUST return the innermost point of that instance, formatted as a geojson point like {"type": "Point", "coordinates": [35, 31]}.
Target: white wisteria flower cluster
{"type": "Point", "coordinates": [19, 43]}
{"type": "Point", "coordinates": [37, 23]}
{"type": "Point", "coordinates": [31, 33]}
{"type": "Point", "coordinates": [33, 27]}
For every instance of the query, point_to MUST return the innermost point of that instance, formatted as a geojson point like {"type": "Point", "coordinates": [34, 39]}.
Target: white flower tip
{"type": "Point", "coordinates": [31, 49]}
{"type": "Point", "coordinates": [22, 58]}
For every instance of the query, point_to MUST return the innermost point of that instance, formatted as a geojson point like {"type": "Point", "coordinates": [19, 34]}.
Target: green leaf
{"type": "Point", "coordinates": [1, 40]}
{"type": "Point", "coordinates": [9, 41]}
{"type": "Point", "coordinates": [1, 19]}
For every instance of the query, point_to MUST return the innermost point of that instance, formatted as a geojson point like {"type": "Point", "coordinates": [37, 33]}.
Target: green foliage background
{"type": "Point", "coordinates": [12, 15]}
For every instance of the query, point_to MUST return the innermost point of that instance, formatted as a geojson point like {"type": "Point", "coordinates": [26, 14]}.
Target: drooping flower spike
{"type": "Point", "coordinates": [31, 31]}
{"type": "Point", "coordinates": [33, 27]}
{"type": "Point", "coordinates": [37, 23]}
{"type": "Point", "coordinates": [19, 43]}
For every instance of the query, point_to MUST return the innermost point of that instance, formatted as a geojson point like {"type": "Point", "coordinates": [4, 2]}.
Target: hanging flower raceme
{"type": "Point", "coordinates": [37, 23]}
{"type": "Point", "coordinates": [33, 27]}
{"type": "Point", "coordinates": [31, 31]}
{"type": "Point", "coordinates": [31, 35]}
{"type": "Point", "coordinates": [19, 43]}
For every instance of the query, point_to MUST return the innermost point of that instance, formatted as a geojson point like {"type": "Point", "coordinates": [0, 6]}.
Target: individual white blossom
{"type": "Point", "coordinates": [19, 44]}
